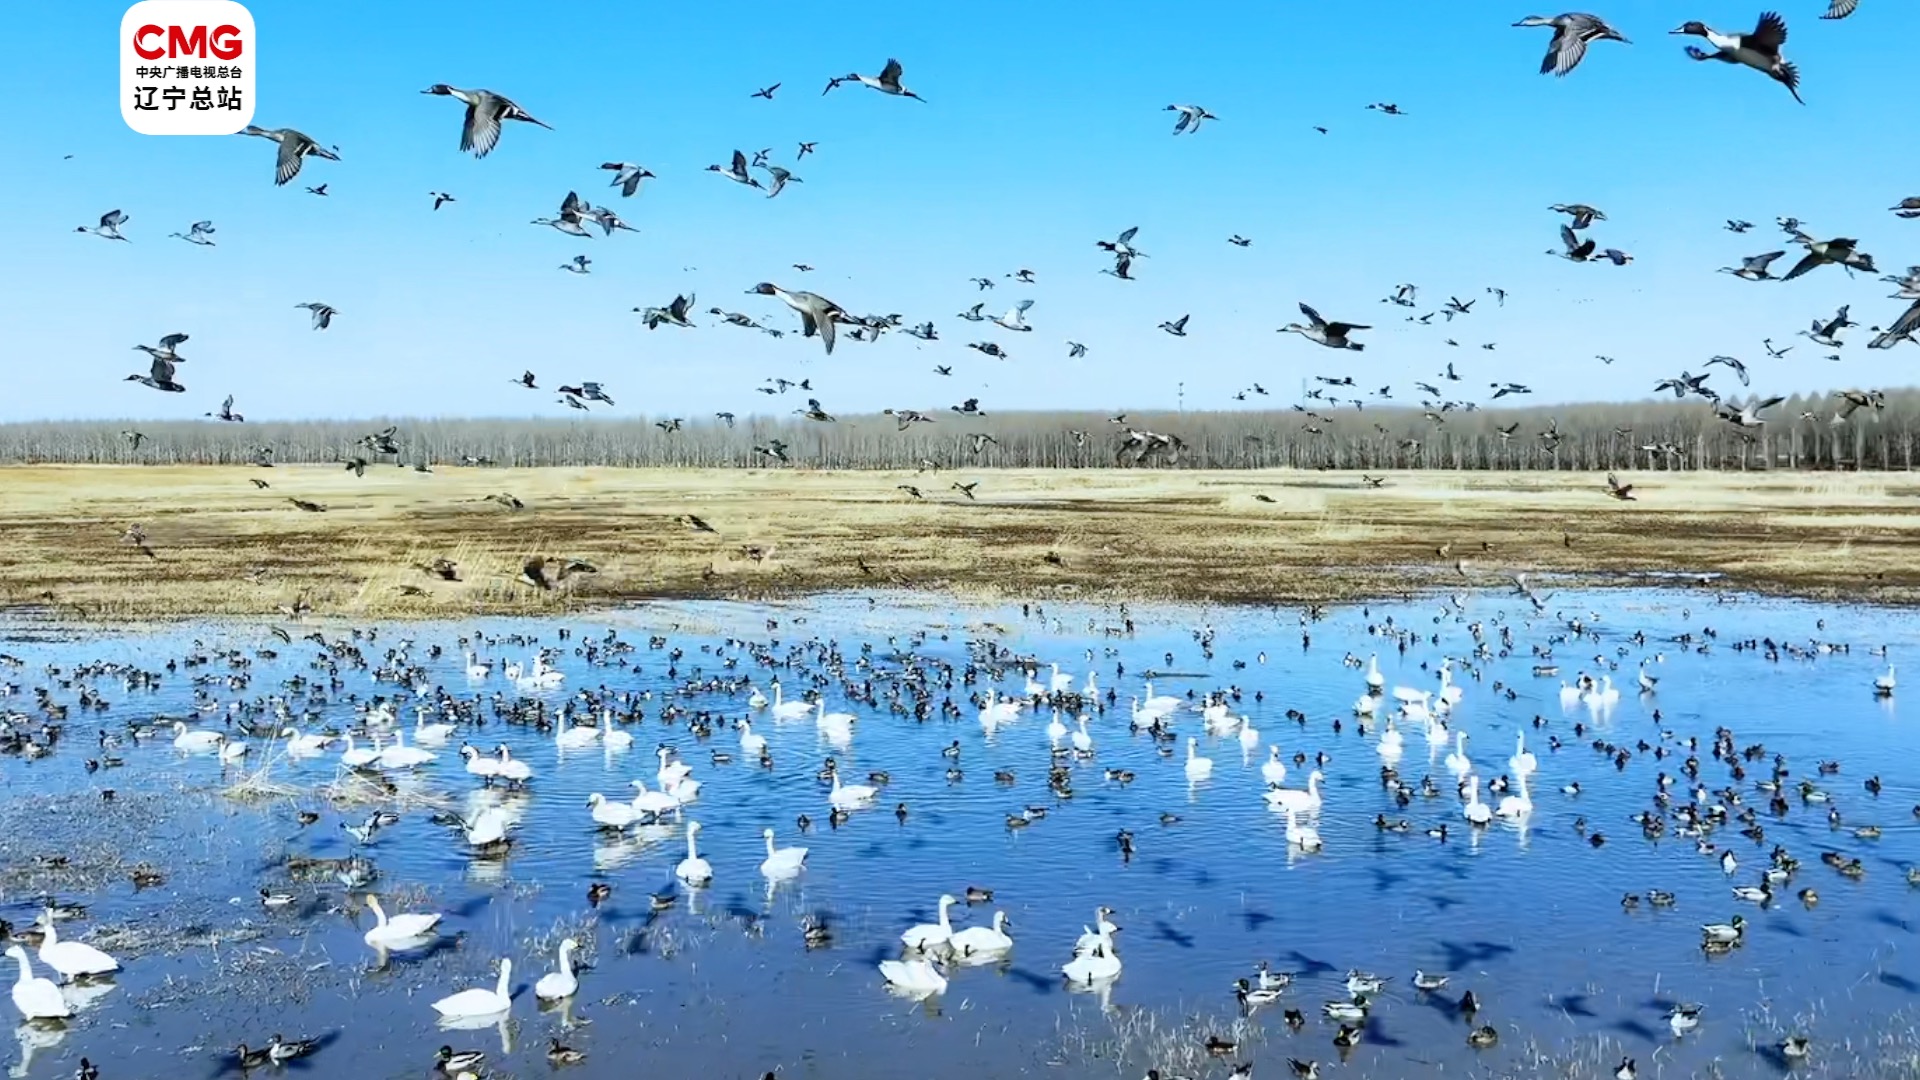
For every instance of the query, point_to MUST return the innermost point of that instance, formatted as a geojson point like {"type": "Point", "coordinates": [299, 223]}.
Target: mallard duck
{"type": "Point", "coordinates": [1726, 931]}
{"type": "Point", "coordinates": [1684, 1017]}
{"type": "Point", "coordinates": [1483, 1036]}
{"type": "Point", "coordinates": [451, 1062]}
{"type": "Point", "coordinates": [1252, 997]}
{"type": "Point", "coordinates": [558, 1054]}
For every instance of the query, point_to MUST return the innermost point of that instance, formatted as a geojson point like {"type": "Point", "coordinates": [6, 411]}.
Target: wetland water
{"type": "Point", "coordinates": [1528, 916]}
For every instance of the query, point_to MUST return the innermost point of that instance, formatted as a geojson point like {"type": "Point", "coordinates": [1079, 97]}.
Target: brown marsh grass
{"type": "Point", "coordinates": [222, 546]}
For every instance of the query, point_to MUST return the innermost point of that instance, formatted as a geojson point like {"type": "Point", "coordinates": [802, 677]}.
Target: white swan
{"type": "Point", "coordinates": [542, 677]}
{"type": "Point", "coordinates": [360, 757]}
{"type": "Point", "coordinates": [653, 802]}
{"type": "Point", "coordinates": [570, 736]}
{"type": "Point", "coordinates": [1476, 812]}
{"type": "Point", "coordinates": [916, 976]}
{"type": "Point", "coordinates": [1062, 682]}
{"type": "Point", "coordinates": [1144, 717]}
{"type": "Point", "coordinates": [1304, 837]}
{"type": "Point", "coordinates": [476, 669]}
{"type": "Point", "coordinates": [488, 827]}
{"type": "Point", "coordinates": [402, 756]}
{"type": "Point", "coordinates": [834, 723]}
{"type": "Point", "coordinates": [1082, 741]}
{"type": "Point", "coordinates": [670, 771]}
{"type": "Point", "coordinates": [555, 985]}
{"type": "Point", "coordinates": [303, 744]}
{"type": "Point", "coordinates": [72, 959]}
{"type": "Point", "coordinates": [194, 742]}
{"type": "Point", "coordinates": [1569, 695]}
{"type": "Point", "coordinates": [479, 765]}
{"type": "Point", "coordinates": [1514, 806]}
{"type": "Point", "coordinates": [512, 770]}
{"type": "Point", "coordinates": [1449, 693]}
{"type": "Point", "coordinates": [1365, 705]}
{"type": "Point", "coordinates": [983, 940]}
{"type": "Point", "coordinates": [781, 862]}
{"type": "Point", "coordinates": [1164, 703]}
{"type": "Point", "coordinates": [1883, 685]}
{"type": "Point", "coordinates": [931, 935]}
{"type": "Point", "coordinates": [997, 711]}
{"type": "Point", "coordinates": [1522, 763]}
{"type": "Point", "coordinates": [424, 732]}
{"type": "Point", "coordinates": [1055, 729]}
{"type": "Point", "coordinates": [849, 796]}
{"type": "Point", "coordinates": [404, 927]}
{"type": "Point", "coordinates": [1198, 768]}
{"type": "Point", "coordinates": [1295, 800]}
{"type": "Point", "coordinates": [468, 1004]}
{"type": "Point", "coordinates": [1391, 743]}
{"type": "Point", "coordinates": [35, 997]}
{"type": "Point", "coordinates": [1458, 762]}
{"type": "Point", "coordinates": [1374, 679]}
{"type": "Point", "coordinates": [788, 710]}
{"type": "Point", "coordinates": [1103, 928]}
{"type": "Point", "coordinates": [693, 869]}
{"type": "Point", "coordinates": [1097, 963]}
{"type": "Point", "coordinates": [757, 700]}
{"type": "Point", "coordinates": [1275, 770]}
{"type": "Point", "coordinates": [612, 737]}
{"type": "Point", "coordinates": [1603, 695]}
{"type": "Point", "coordinates": [750, 744]}
{"type": "Point", "coordinates": [612, 815]}
{"type": "Point", "coordinates": [1249, 738]}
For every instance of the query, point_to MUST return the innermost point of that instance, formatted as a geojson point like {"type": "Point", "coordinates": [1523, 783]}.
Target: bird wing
{"type": "Point", "coordinates": [1564, 53]}
{"type": "Point", "coordinates": [1761, 262]}
{"type": "Point", "coordinates": [162, 370]}
{"type": "Point", "coordinates": [1127, 236]}
{"type": "Point", "coordinates": [293, 148]}
{"type": "Point", "coordinates": [1766, 404]}
{"type": "Point", "coordinates": [1022, 307]}
{"type": "Point", "coordinates": [1313, 317]}
{"type": "Point", "coordinates": [172, 340]}
{"type": "Point", "coordinates": [739, 163]}
{"type": "Point", "coordinates": [1769, 34]}
{"type": "Point", "coordinates": [481, 131]}
{"type": "Point", "coordinates": [1840, 9]}
{"type": "Point", "coordinates": [890, 74]}
{"type": "Point", "coordinates": [1807, 262]}
{"type": "Point", "coordinates": [1567, 237]}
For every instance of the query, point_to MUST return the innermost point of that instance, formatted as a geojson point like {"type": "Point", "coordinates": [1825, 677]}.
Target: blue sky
{"type": "Point", "coordinates": [1044, 132]}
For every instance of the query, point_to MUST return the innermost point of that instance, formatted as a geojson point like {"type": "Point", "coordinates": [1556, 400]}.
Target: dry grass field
{"type": "Point", "coordinates": [221, 545]}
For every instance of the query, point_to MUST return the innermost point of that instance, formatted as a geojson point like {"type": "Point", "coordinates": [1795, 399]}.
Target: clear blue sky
{"type": "Point", "coordinates": [1044, 131]}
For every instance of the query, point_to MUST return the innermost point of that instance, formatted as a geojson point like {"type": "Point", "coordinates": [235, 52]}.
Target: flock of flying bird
{"type": "Point", "coordinates": [486, 112]}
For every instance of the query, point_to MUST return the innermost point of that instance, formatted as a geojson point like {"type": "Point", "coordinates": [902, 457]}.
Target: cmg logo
{"type": "Point", "coordinates": [153, 41]}
{"type": "Point", "coordinates": [187, 67]}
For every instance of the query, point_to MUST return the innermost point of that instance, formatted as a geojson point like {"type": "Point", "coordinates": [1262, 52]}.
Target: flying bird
{"type": "Point", "coordinates": [197, 233]}
{"type": "Point", "coordinates": [480, 131]}
{"type": "Point", "coordinates": [765, 92]}
{"type": "Point", "coordinates": [441, 197]}
{"type": "Point", "coordinates": [1759, 50]}
{"type": "Point", "coordinates": [887, 82]}
{"type": "Point", "coordinates": [1571, 33]}
{"type": "Point", "coordinates": [1190, 118]}
{"type": "Point", "coordinates": [295, 148]}
{"type": "Point", "coordinates": [627, 176]}
{"type": "Point", "coordinates": [109, 226]}
{"type": "Point", "coordinates": [1333, 335]}
{"type": "Point", "coordinates": [322, 313]}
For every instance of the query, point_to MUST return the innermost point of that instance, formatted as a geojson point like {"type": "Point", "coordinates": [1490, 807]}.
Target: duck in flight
{"type": "Point", "coordinates": [817, 313]}
{"type": "Point", "coordinates": [627, 176]}
{"type": "Point", "coordinates": [1571, 33]}
{"type": "Point", "coordinates": [440, 197]}
{"type": "Point", "coordinates": [1582, 214]}
{"type": "Point", "coordinates": [480, 132]}
{"type": "Point", "coordinates": [674, 314]}
{"type": "Point", "coordinates": [166, 350]}
{"type": "Point", "coordinates": [1015, 319]}
{"type": "Point", "coordinates": [765, 92]}
{"type": "Point", "coordinates": [226, 413]}
{"type": "Point", "coordinates": [160, 376]}
{"type": "Point", "coordinates": [781, 178]}
{"type": "Point", "coordinates": [295, 147]}
{"type": "Point", "coordinates": [578, 265]}
{"type": "Point", "coordinates": [1759, 49]}
{"type": "Point", "coordinates": [1238, 241]}
{"type": "Point", "coordinates": [1754, 267]}
{"type": "Point", "coordinates": [887, 82]}
{"type": "Point", "coordinates": [1176, 327]}
{"type": "Point", "coordinates": [322, 313]}
{"type": "Point", "coordinates": [1331, 334]}
{"type": "Point", "coordinates": [573, 212]}
{"type": "Point", "coordinates": [197, 233]}
{"type": "Point", "coordinates": [109, 226]}
{"type": "Point", "coordinates": [1573, 248]}
{"type": "Point", "coordinates": [1190, 118]}
{"type": "Point", "coordinates": [737, 172]}
{"type": "Point", "coordinates": [1841, 250]}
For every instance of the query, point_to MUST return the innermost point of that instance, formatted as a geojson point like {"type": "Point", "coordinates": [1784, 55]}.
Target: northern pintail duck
{"type": "Point", "coordinates": [817, 313]}
{"type": "Point", "coordinates": [1574, 249]}
{"type": "Point", "coordinates": [1733, 363]}
{"type": "Point", "coordinates": [1748, 415]}
{"type": "Point", "coordinates": [973, 314]}
{"type": "Point", "coordinates": [480, 132]}
{"type": "Point", "coordinates": [1015, 319]}
{"type": "Point", "coordinates": [1754, 267]}
{"type": "Point", "coordinates": [1759, 50]}
{"type": "Point", "coordinates": [736, 171]}
{"type": "Point", "coordinates": [1571, 33]}
{"type": "Point", "coordinates": [1582, 214]}
{"type": "Point", "coordinates": [197, 233]}
{"type": "Point", "coordinates": [440, 197]}
{"type": "Point", "coordinates": [1840, 9]}
{"type": "Point", "coordinates": [887, 82]}
{"type": "Point", "coordinates": [674, 314]}
{"type": "Point", "coordinates": [578, 265]}
{"type": "Point", "coordinates": [1908, 207]}
{"type": "Point", "coordinates": [990, 349]}
{"type": "Point", "coordinates": [1840, 250]}
{"type": "Point", "coordinates": [572, 213]}
{"type": "Point", "coordinates": [160, 376]}
{"type": "Point", "coordinates": [109, 226]}
{"type": "Point", "coordinates": [166, 349]}
{"type": "Point", "coordinates": [781, 178]}
{"type": "Point", "coordinates": [1176, 327]}
{"type": "Point", "coordinates": [627, 176]}
{"type": "Point", "coordinates": [1122, 245]}
{"type": "Point", "coordinates": [1827, 332]}
{"type": "Point", "coordinates": [1075, 350]}
{"type": "Point", "coordinates": [1331, 334]}
{"type": "Point", "coordinates": [1190, 117]}
{"type": "Point", "coordinates": [590, 391]}
{"type": "Point", "coordinates": [294, 148]}
{"type": "Point", "coordinates": [1903, 329]}
{"type": "Point", "coordinates": [322, 313]}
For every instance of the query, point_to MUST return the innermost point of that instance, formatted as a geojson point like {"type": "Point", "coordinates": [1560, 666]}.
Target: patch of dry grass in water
{"type": "Point", "coordinates": [223, 547]}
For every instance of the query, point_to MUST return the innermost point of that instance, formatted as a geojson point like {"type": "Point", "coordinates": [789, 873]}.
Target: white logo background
{"type": "Point", "coordinates": [197, 76]}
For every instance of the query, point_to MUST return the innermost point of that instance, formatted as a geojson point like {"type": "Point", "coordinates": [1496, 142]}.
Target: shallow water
{"type": "Point", "coordinates": [1528, 917]}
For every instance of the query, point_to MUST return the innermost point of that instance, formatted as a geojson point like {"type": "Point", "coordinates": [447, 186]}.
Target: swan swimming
{"type": "Point", "coordinates": [916, 976]}
{"type": "Point", "coordinates": [1198, 768]}
{"type": "Point", "coordinates": [1274, 771]}
{"type": "Point", "coordinates": [37, 998]}
{"type": "Point", "coordinates": [781, 862]}
{"type": "Point", "coordinates": [468, 1004]}
{"type": "Point", "coordinates": [983, 940]}
{"type": "Point", "coordinates": [1523, 763]}
{"type": "Point", "coordinates": [194, 742]}
{"type": "Point", "coordinates": [556, 985]}
{"type": "Point", "coordinates": [406, 927]}
{"type": "Point", "coordinates": [1295, 800]}
{"type": "Point", "coordinates": [72, 959]}
{"type": "Point", "coordinates": [693, 869]}
{"type": "Point", "coordinates": [788, 710]}
{"type": "Point", "coordinates": [931, 935]}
